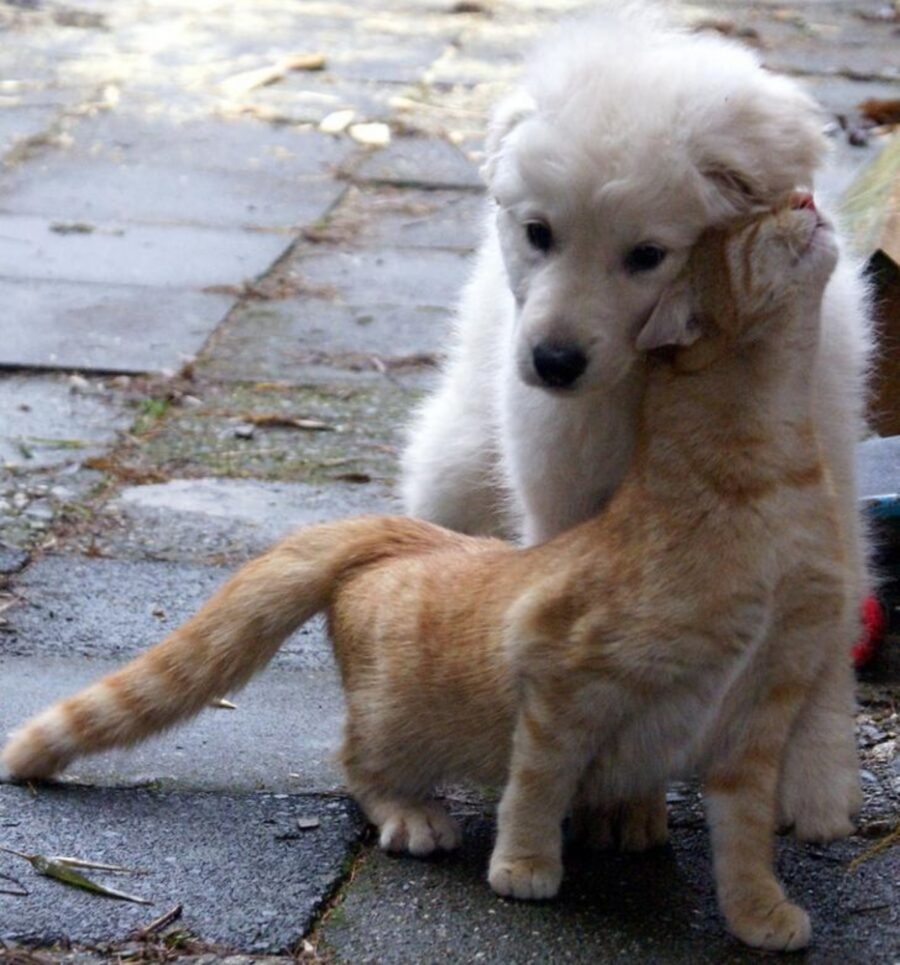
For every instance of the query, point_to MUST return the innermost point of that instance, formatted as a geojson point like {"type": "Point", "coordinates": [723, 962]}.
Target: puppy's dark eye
{"type": "Point", "coordinates": [539, 235]}
{"type": "Point", "coordinates": [644, 258]}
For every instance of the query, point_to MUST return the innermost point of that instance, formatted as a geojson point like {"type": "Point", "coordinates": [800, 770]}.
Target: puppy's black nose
{"type": "Point", "coordinates": [558, 365]}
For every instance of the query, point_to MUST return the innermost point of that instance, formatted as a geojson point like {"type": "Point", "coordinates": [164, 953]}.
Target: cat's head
{"type": "Point", "coordinates": [745, 278]}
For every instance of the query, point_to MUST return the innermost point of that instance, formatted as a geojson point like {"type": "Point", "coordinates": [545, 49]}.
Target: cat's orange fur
{"type": "Point", "coordinates": [681, 629]}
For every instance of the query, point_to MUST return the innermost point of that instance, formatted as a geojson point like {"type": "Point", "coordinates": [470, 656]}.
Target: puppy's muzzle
{"type": "Point", "coordinates": [558, 366]}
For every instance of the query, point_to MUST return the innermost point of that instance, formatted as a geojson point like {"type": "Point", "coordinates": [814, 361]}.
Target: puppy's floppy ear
{"type": "Point", "coordinates": [672, 322]}
{"type": "Point", "coordinates": [508, 114]}
{"type": "Point", "coordinates": [761, 141]}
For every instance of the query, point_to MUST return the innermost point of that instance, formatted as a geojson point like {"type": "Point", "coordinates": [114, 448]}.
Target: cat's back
{"type": "Point", "coordinates": [429, 609]}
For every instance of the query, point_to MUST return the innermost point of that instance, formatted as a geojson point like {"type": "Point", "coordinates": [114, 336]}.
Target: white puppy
{"type": "Point", "coordinates": [627, 138]}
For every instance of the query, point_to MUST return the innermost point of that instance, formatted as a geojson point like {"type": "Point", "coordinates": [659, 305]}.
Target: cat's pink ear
{"type": "Point", "coordinates": [672, 322]}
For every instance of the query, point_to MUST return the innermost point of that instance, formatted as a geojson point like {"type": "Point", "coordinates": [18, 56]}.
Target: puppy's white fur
{"type": "Point", "coordinates": [627, 131]}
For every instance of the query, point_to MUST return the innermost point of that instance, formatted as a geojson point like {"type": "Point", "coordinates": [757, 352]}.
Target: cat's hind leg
{"type": "Point", "coordinates": [418, 828]}
{"type": "Point", "coordinates": [398, 802]}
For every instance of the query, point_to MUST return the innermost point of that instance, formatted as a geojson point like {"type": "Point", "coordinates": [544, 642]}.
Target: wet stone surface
{"type": "Point", "coordinates": [126, 168]}
{"type": "Point", "coordinates": [417, 162]}
{"type": "Point", "coordinates": [218, 520]}
{"type": "Point", "coordinates": [47, 419]}
{"type": "Point", "coordinates": [103, 327]}
{"type": "Point", "coordinates": [282, 734]}
{"type": "Point", "coordinates": [243, 872]}
{"type": "Point", "coordinates": [655, 907]}
{"type": "Point", "coordinates": [107, 608]}
{"type": "Point", "coordinates": [282, 295]}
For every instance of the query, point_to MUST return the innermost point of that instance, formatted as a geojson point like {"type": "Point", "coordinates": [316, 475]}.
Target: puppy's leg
{"type": "Point", "coordinates": [820, 792]}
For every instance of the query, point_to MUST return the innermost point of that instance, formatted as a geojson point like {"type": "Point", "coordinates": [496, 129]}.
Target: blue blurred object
{"type": "Point", "coordinates": [878, 462]}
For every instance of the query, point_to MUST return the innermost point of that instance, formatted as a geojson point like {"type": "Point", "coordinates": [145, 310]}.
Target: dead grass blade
{"type": "Point", "coordinates": [22, 890]}
{"type": "Point", "coordinates": [96, 865]}
{"type": "Point", "coordinates": [274, 420]}
{"type": "Point", "coordinates": [157, 925]}
{"type": "Point", "coordinates": [67, 875]}
{"type": "Point", "coordinates": [888, 841]}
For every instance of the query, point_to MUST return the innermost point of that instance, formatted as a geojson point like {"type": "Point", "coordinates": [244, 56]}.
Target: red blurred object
{"type": "Point", "coordinates": [874, 623]}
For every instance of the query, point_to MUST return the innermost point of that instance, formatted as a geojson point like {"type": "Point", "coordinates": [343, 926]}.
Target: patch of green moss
{"type": "Point", "coordinates": [364, 432]}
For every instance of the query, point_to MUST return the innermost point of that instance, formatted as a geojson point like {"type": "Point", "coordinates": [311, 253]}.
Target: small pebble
{"type": "Point", "coordinates": [307, 824]}
{"type": "Point", "coordinates": [40, 511]}
{"type": "Point", "coordinates": [337, 121]}
{"type": "Point", "coordinates": [372, 135]}
{"type": "Point", "coordinates": [245, 430]}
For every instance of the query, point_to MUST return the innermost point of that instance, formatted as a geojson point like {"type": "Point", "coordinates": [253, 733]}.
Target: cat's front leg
{"type": "Point", "coordinates": [547, 762]}
{"type": "Point", "coordinates": [740, 797]}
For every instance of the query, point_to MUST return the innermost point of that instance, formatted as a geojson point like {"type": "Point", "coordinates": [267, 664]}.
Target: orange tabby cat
{"type": "Point", "coordinates": [681, 629]}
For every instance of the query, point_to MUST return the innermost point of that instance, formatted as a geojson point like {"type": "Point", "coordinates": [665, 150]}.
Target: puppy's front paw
{"type": "Point", "coordinates": [783, 927]}
{"type": "Point", "coordinates": [821, 815]}
{"type": "Point", "coordinates": [529, 878]}
{"type": "Point", "coordinates": [419, 830]}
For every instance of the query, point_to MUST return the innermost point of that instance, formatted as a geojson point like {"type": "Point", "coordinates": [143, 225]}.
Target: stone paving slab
{"type": "Point", "coordinates": [237, 173]}
{"type": "Point", "coordinates": [388, 56]}
{"type": "Point", "coordinates": [419, 162]}
{"type": "Point", "coordinates": [105, 327]}
{"type": "Point", "coordinates": [310, 341]}
{"type": "Point", "coordinates": [79, 607]}
{"type": "Point", "coordinates": [658, 907]}
{"type": "Point", "coordinates": [173, 256]}
{"type": "Point", "coordinates": [17, 124]}
{"type": "Point", "coordinates": [244, 873]}
{"type": "Point", "coordinates": [47, 421]}
{"type": "Point", "coordinates": [311, 97]}
{"type": "Point", "coordinates": [384, 276]}
{"type": "Point", "coordinates": [391, 217]}
{"type": "Point", "coordinates": [101, 192]}
{"type": "Point", "coordinates": [201, 520]}
{"type": "Point", "coordinates": [282, 737]}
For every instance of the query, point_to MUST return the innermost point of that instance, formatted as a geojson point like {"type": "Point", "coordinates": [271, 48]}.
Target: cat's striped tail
{"type": "Point", "coordinates": [233, 635]}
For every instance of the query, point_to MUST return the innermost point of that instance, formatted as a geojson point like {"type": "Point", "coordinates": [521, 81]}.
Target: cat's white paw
{"type": "Point", "coordinates": [419, 830]}
{"type": "Point", "coordinates": [782, 928]}
{"type": "Point", "coordinates": [530, 879]}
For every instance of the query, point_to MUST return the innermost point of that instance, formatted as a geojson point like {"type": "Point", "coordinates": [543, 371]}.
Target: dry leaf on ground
{"type": "Point", "coordinates": [881, 111]}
